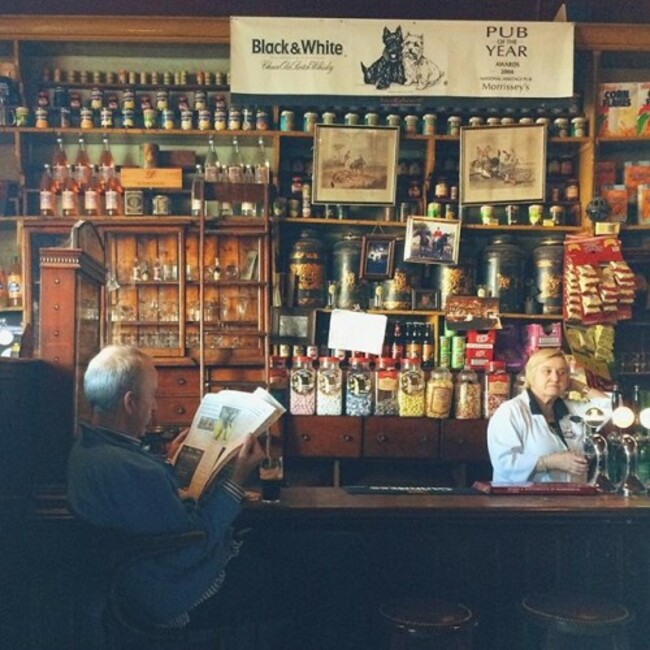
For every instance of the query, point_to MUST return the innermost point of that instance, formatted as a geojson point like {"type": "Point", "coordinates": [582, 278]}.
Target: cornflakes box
{"type": "Point", "coordinates": [634, 174]}
{"type": "Point", "coordinates": [617, 109]}
{"type": "Point", "coordinates": [616, 197]}
{"type": "Point", "coordinates": [643, 109]}
{"type": "Point", "coordinates": [643, 213]}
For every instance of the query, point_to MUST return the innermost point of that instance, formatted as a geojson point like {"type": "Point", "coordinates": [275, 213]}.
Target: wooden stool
{"type": "Point", "coordinates": [436, 623]}
{"type": "Point", "coordinates": [577, 621]}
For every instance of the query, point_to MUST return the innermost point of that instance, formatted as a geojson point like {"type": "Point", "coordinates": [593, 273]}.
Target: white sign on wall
{"type": "Point", "coordinates": [401, 58]}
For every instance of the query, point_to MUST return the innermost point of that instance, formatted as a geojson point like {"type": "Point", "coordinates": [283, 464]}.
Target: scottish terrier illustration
{"type": "Point", "coordinates": [389, 67]}
{"type": "Point", "coordinates": [418, 70]}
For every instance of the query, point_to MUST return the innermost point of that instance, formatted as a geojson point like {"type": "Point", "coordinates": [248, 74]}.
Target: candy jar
{"type": "Point", "coordinates": [496, 387]}
{"type": "Point", "coordinates": [329, 391]}
{"type": "Point", "coordinates": [302, 398]}
{"type": "Point", "coordinates": [386, 385]}
{"type": "Point", "coordinates": [467, 395]}
{"type": "Point", "coordinates": [439, 394]}
{"type": "Point", "coordinates": [358, 388]}
{"type": "Point", "coordinates": [410, 396]}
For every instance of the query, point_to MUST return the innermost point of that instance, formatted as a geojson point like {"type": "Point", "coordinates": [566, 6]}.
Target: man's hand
{"type": "Point", "coordinates": [173, 445]}
{"type": "Point", "coordinates": [249, 457]}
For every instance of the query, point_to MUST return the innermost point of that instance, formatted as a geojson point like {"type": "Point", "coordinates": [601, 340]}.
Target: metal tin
{"type": "Point", "coordinates": [161, 205]}
{"type": "Point", "coordinates": [220, 120]}
{"type": "Point", "coordinates": [475, 120]}
{"type": "Point", "coordinates": [162, 99]}
{"type": "Point", "coordinates": [128, 98]}
{"type": "Point", "coordinates": [133, 202]}
{"type": "Point", "coordinates": [561, 127]}
{"type": "Point", "coordinates": [411, 124]}
{"type": "Point", "coordinates": [504, 272]}
{"type": "Point", "coordinates": [429, 124]}
{"type": "Point", "coordinates": [106, 117]}
{"type": "Point", "coordinates": [261, 120]}
{"type": "Point", "coordinates": [309, 121]}
{"type": "Point", "coordinates": [393, 119]}
{"type": "Point", "coordinates": [128, 118]}
{"type": "Point", "coordinates": [247, 119]}
{"type": "Point", "coordinates": [351, 118]}
{"type": "Point", "coordinates": [329, 117]}
{"type": "Point", "coordinates": [346, 261]}
{"type": "Point", "coordinates": [307, 264]}
{"type": "Point", "coordinates": [149, 116]}
{"type": "Point", "coordinates": [371, 118]}
{"type": "Point", "coordinates": [579, 127]}
{"type": "Point", "coordinates": [167, 119]}
{"type": "Point", "coordinates": [86, 118]}
{"type": "Point", "coordinates": [187, 116]}
{"type": "Point", "coordinates": [200, 100]}
{"type": "Point", "coordinates": [204, 119]}
{"type": "Point", "coordinates": [287, 120]}
{"type": "Point", "coordinates": [453, 125]}
{"type": "Point", "coordinates": [548, 259]}
{"type": "Point", "coordinates": [455, 279]}
{"type": "Point", "coordinates": [234, 118]}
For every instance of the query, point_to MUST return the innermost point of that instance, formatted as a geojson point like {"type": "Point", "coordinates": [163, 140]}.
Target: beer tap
{"type": "Point", "coordinates": [596, 449]}
{"type": "Point", "coordinates": [623, 418]}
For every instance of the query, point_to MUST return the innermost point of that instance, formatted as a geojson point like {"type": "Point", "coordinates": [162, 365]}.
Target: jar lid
{"type": "Point", "coordinates": [493, 366]}
{"type": "Point", "coordinates": [302, 359]}
{"type": "Point", "coordinates": [328, 360]}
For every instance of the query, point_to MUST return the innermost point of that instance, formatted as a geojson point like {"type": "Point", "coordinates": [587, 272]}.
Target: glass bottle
{"type": "Point", "coordinates": [616, 456]}
{"type": "Point", "coordinates": [106, 164]}
{"type": "Point", "coordinates": [358, 387]}
{"type": "Point", "coordinates": [4, 296]}
{"type": "Point", "coordinates": [59, 165]}
{"type": "Point", "coordinates": [397, 346]}
{"type": "Point", "coordinates": [113, 195]}
{"type": "Point", "coordinates": [262, 165]}
{"type": "Point", "coordinates": [216, 270]}
{"type": "Point", "coordinates": [235, 169]}
{"type": "Point", "coordinates": [302, 396]}
{"type": "Point", "coordinates": [212, 170]}
{"type": "Point", "coordinates": [428, 347]}
{"type": "Point", "coordinates": [70, 195]}
{"type": "Point", "coordinates": [15, 284]}
{"type": "Point", "coordinates": [440, 392]}
{"type": "Point", "coordinates": [329, 395]}
{"type": "Point", "coordinates": [496, 387]}
{"type": "Point", "coordinates": [82, 166]}
{"type": "Point", "coordinates": [467, 395]}
{"type": "Point", "coordinates": [92, 195]}
{"type": "Point", "coordinates": [46, 193]}
{"type": "Point", "coordinates": [198, 192]}
{"type": "Point", "coordinates": [386, 387]}
{"type": "Point", "coordinates": [411, 392]}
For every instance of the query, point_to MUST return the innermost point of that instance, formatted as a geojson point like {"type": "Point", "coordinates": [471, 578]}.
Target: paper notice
{"type": "Point", "coordinates": [352, 330]}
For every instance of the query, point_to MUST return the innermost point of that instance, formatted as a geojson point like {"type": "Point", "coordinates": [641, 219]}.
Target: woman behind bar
{"type": "Point", "coordinates": [538, 436]}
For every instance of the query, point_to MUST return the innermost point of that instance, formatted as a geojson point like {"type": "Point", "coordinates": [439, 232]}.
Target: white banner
{"type": "Point", "coordinates": [401, 58]}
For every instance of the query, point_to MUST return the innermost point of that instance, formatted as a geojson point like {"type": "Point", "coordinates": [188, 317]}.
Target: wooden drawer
{"type": "Point", "coordinates": [394, 437]}
{"type": "Point", "coordinates": [178, 409]}
{"type": "Point", "coordinates": [324, 436]}
{"type": "Point", "coordinates": [178, 381]}
{"type": "Point", "coordinates": [464, 440]}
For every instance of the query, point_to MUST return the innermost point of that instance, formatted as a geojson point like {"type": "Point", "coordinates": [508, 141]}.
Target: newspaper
{"type": "Point", "coordinates": [218, 430]}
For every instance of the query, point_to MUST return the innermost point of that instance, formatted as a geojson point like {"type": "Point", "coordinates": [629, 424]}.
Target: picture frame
{"type": "Point", "coordinates": [472, 313]}
{"type": "Point", "coordinates": [502, 164]}
{"type": "Point", "coordinates": [432, 241]}
{"type": "Point", "coordinates": [249, 272]}
{"type": "Point", "coordinates": [295, 326]}
{"type": "Point", "coordinates": [425, 299]}
{"type": "Point", "coordinates": [355, 165]}
{"type": "Point", "coordinates": [377, 257]}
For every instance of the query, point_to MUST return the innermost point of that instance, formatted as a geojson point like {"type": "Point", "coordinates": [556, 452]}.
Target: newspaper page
{"type": "Point", "coordinates": [218, 429]}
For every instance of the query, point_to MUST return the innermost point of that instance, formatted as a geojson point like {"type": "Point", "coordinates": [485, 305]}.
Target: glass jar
{"type": "Point", "coordinates": [329, 395]}
{"type": "Point", "coordinates": [504, 272]}
{"type": "Point", "coordinates": [358, 388]}
{"type": "Point", "coordinates": [440, 391]}
{"type": "Point", "coordinates": [307, 264]}
{"type": "Point", "coordinates": [386, 384]}
{"type": "Point", "coordinates": [302, 398]}
{"type": "Point", "coordinates": [496, 387]}
{"type": "Point", "coordinates": [548, 257]}
{"type": "Point", "coordinates": [467, 395]}
{"type": "Point", "coordinates": [411, 391]}
{"type": "Point", "coordinates": [346, 261]}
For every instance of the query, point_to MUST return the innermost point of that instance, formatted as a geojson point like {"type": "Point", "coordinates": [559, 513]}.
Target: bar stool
{"type": "Point", "coordinates": [429, 623]}
{"type": "Point", "coordinates": [578, 621]}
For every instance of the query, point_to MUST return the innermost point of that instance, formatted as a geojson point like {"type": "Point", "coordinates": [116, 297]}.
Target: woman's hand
{"type": "Point", "coordinates": [249, 457]}
{"type": "Point", "coordinates": [567, 461]}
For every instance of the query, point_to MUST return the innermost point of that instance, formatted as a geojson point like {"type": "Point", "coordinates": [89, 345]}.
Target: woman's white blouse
{"type": "Point", "coordinates": [517, 438]}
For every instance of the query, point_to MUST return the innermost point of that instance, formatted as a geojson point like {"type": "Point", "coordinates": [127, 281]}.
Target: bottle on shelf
{"type": "Point", "coordinates": [397, 346]}
{"type": "Point", "coordinates": [439, 393]}
{"type": "Point", "coordinates": [467, 395]}
{"type": "Point", "coordinates": [428, 347]}
{"type": "Point", "coordinates": [46, 196]}
{"type": "Point", "coordinates": [216, 270]}
{"type": "Point", "coordinates": [15, 284]}
{"type": "Point", "coordinates": [4, 295]}
{"type": "Point", "coordinates": [113, 195]}
{"type": "Point", "coordinates": [59, 166]}
{"type": "Point", "coordinates": [106, 164]}
{"type": "Point", "coordinates": [82, 167]}
{"type": "Point", "coordinates": [411, 392]}
{"type": "Point", "coordinates": [156, 270]}
{"type": "Point", "coordinates": [70, 195]}
{"type": "Point", "coordinates": [197, 192]}
{"type": "Point", "coordinates": [212, 168]}
{"type": "Point", "coordinates": [93, 194]}
{"type": "Point", "coordinates": [262, 165]}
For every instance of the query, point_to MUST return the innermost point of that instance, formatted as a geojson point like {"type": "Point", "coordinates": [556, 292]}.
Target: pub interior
{"type": "Point", "coordinates": [368, 251]}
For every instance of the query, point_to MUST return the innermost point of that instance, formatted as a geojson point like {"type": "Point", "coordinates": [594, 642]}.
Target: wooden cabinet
{"type": "Point", "coordinates": [393, 437]}
{"type": "Point", "coordinates": [324, 436]}
{"type": "Point", "coordinates": [463, 441]}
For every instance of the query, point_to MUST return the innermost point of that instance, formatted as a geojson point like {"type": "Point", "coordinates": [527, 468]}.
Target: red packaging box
{"type": "Point", "coordinates": [478, 358]}
{"type": "Point", "coordinates": [481, 339]}
{"type": "Point", "coordinates": [547, 335]}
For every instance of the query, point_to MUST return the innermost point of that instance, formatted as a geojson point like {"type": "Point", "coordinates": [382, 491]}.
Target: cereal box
{"type": "Point", "coordinates": [616, 197]}
{"type": "Point", "coordinates": [643, 109]}
{"type": "Point", "coordinates": [635, 173]}
{"type": "Point", "coordinates": [617, 109]}
{"type": "Point", "coordinates": [643, 208]}
{"type": "Point", "coordinates": [605, 172]}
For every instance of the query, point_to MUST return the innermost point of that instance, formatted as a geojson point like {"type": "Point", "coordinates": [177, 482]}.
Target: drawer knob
{"type": "Point", "coordinates": [181, 381]}
{"type": "Point", "coordinates": [304, 436]}
{"type": "Point", "coordinates": [424, 438]}
{"type": "Point", "coordinates": [382, 437]}
{"type": "Point", "coordinates": [460, 441]}
{"type": "Point", "coordinates": [57, 307]}
{"type": "Point", "coordinates": [348, 438]}
{"type": "Point", "coordinates": [180, 410]}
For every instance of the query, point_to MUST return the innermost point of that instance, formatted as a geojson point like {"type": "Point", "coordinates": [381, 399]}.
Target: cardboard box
{"type": "Point", "coordinates": [634, 174]}
{"type": "Point", "coordinates": [605, 173]}
{"type": "Point", "coordinates": [643, 109]}
{"type": "Point", "coordinates": [480, 338]}
{"type": "Point", "coordinates": [643, 204]}
{"type": "Point", "coordinates": [617, 109]}
{"type": "Point", "coordinates": [152, 177]}
{"type": "Point", "coordinates": [616, 197]}
{"type": "Point", "coordinates": [542, 335]}
{"type": "Point", "coordinates": [478, 358]}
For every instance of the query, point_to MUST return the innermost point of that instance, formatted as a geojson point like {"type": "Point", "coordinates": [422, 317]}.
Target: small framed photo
{"type": "Point", "coordinates": [377, 257]}
{"type": "Point", "coordinates": [295, 326]}
{"type": "Point", "coordinates": [502, 164]}
{"type": "Point", "coordinates": [355, 164]}
{"type": "Point", "coordinates": [432, 241]}
{"type": "Point", "coordinates": [250, 266]}
{"type": "Point", "coordinates": [425, 299]}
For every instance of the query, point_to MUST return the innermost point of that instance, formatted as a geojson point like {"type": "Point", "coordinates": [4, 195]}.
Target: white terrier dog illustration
{"type": "Point", "coordinates": [418, 69]}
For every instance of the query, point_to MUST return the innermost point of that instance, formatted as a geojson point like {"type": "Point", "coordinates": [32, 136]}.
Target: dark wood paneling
{"type": "Point", "coordinates": [394, 437]}
{"type": "Point", "coordinates": [323, 436]}
{"type": "Point", "coordinates": [464, 440]}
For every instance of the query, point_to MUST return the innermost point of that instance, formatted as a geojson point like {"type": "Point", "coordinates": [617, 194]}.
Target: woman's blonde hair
{"type": "Point", "coordinates": [539, 357]}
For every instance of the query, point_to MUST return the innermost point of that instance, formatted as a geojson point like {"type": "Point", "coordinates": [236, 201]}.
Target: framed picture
{"type": "Point", "coordinates": [424, 299]}
{"type": "Point", "coordinates": [295, 326]}
{"type": "Point", "coordinates": [377, 257]}
{"type": "Point", "coordinates": [472, 313]}
{"type": "Point", "coordinates": [250, 265]}
{"type": "Point", "coordinates": [355, 164]}
{"type": "Point", "coordinates": [502, 164]}
{"type": "Point", "coordinates": [432, 241]}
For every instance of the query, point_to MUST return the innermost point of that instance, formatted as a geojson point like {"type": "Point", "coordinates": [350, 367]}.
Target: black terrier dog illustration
{"type": "Point", "coordinates": [389, 67]}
